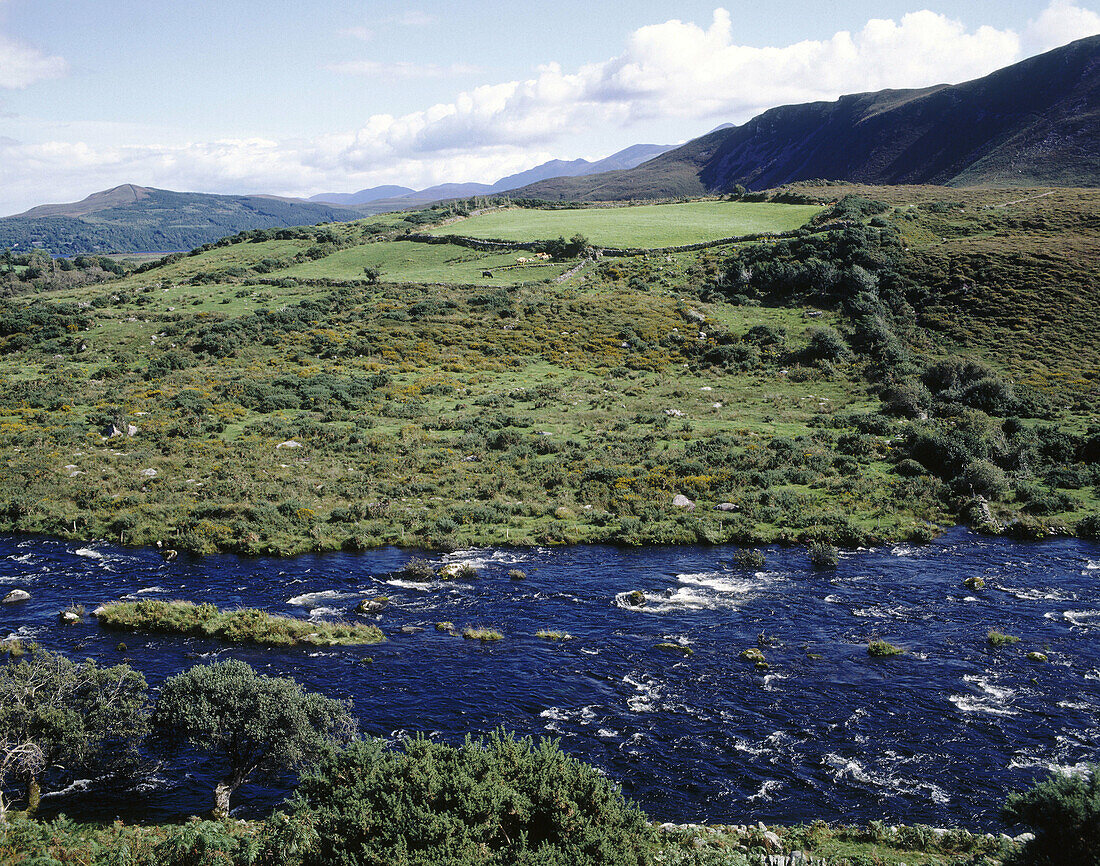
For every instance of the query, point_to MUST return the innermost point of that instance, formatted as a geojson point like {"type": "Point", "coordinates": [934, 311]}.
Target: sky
{"type": "Point", "coordinates": [299, 97]}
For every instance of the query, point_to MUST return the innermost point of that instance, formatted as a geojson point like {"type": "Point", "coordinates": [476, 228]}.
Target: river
{"type": "Point", "coordinates": [938, 735]}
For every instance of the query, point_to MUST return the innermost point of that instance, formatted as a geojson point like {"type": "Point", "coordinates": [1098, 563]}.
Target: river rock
{"type": "Point", "coordinates": [411, 629]}
{"type": "Point", "coordinates": [372, 605]}
{"type": "Point", "coordinates": [1036, 657]}
{"type": "Point", "coordinates": [974, 582]}
{"type": "Point", "coordinates": [681, 501]}
{"type": "Point", "coordinates": [15, 595]}
{"type": "Point", "coordinates": [635, 598]}
{"type": "Point", "coordinates": [68, 617]}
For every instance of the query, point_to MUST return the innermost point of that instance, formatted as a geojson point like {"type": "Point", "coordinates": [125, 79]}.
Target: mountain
{"type": "Point", "coordinates": [362, 197]}
{"type": "Point", "coordinates": [1036, 122]}
{"type": "Point", "coordinates": [627, 158]}
{"type": "Point", "coordinates": [130, 218]}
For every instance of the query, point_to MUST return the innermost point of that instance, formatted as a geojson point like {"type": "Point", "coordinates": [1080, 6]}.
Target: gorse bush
{"type": "Point", "coordinates": [496, 800]}
{"type": "Point", "coordinates": [1064, 814]}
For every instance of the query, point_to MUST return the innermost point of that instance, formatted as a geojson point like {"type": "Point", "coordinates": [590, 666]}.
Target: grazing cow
{"type": "Point", "coordinates": [487, 273]}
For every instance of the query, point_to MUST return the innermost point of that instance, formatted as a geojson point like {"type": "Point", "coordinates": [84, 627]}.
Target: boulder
{"type": "Point", "coordinates": [69, 617]}
{"type": "Point", "coordinates": [635, 598]}
{"type": "Point", "coordinates": [727, 506]}
{"type": "Point", "coordinates": [372, 605]}
{"type": "Point", "coordinates": [1036, 657]}
{"type": "Point", "coordinates": [974, 582]}
{"type": "Point", "coordinates": [681, 501]}
{"type": "Point", "coordinates": [411, 629]}
{"type": "Point", "coordinates": [15, 595]}
{"type": "Point", "coordinates": [752, 654]}
{"type": "Point", "coordinates": [149, 473]}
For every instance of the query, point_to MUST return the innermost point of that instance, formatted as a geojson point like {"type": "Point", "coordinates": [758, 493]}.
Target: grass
{"type": "Point", "coordinates": [485, 635]}
{"type": "Point", "coordinates": [403, 261]}
{"type": "Point", "coordinates": [442, 414]}
{"type": "Point", "coordinates": [546, 634]}
{"type": "Point", "coordinates": [999, 639]}
{"type": "Point", "coordinates": [645, 226]}
{"type": "Point", "coordinates": [63, 840]}
{"type": "Point", "coordinates": [880, 649]}
{"type": "Point", "coordinates": [247, 625]}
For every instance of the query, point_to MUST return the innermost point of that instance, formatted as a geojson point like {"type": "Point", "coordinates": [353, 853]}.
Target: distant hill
{"type": "Point", "coordinates": [1036, 122]}
{"type": "Point", "coordinates": [363, 196]}
{"type": "Point", "coordinates": [627, 158]}
{"type": "Point", "coordinates": [130, 218]}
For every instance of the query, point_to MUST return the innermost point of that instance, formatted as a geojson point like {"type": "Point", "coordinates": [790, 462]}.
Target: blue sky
{"type": "Point", "coordinates": [303, 97]}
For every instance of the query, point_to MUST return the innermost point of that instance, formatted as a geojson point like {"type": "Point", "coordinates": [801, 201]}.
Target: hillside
{"type": "Point", "coordinates": [911, 357]}
{"type": "Point", "coordinates": [129, 218]}
{"type": "Point", "coordinates": [1036, 122]}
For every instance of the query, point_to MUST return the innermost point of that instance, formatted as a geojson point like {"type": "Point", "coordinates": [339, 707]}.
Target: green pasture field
{"type": "Point", "coordinates": [406, 261]}
{"type": "Point", "coordinates": [643, 226]}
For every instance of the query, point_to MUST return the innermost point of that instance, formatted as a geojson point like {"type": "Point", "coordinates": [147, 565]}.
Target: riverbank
{"type": "Point", "coordinates": [816, 844]}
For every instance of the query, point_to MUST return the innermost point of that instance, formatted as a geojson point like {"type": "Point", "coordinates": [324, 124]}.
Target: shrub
{"type": "Point", "coordinates": [490, 802]}
{"type": "Point", "coordinates": [1064, 814]}
{"type": "Point", "coordinates": [984, 479]}
{"type": "Point", "coordinates": [252, 724]}
{"type": "Point", "coordinates": [825, 345]}
{"type": "Point", "coordinates": [882, 649]}
{"type": "Point", "coordinates": [998, 639]}
{"type": "Point", "coordinates": [823, 555]}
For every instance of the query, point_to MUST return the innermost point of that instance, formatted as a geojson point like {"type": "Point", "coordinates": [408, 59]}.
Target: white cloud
{"type": "Point", "coordinates": [21, 65]}
{"type": "Point", "coordinates": [364, 34]}
{"type": "Point", "coordinates": [402, 69]}
{"type": "Point", "coordinates": [1059, 23]}
{"type": "Point", "coordinates": [696, 75]}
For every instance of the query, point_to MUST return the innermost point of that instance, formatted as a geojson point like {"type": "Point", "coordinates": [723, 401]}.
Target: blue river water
{"type": "Point", "coordinates": [938, 735]}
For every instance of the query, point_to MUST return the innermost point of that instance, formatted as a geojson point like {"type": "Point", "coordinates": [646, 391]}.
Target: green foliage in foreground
{"type": "Point", "coordinates": [1065, 815]}
{"type": "Point", "coordinates": [59, 718]}
{"type": "Point", "coordinates": [252, 724]}
{"type": "Point", "coordinates": [247, 625]}
{"type": "Point", "coordinates": [496, 800]}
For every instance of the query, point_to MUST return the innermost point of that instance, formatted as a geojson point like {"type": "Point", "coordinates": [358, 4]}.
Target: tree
{"type": "Point", "coordinates": [1064, 812]}
{"type": "Point", "coordinates": [252, 724]}
{"type": "Point", "coordinates": [495, 801]}
{"type": "Point", "coordinates": [58, 717]}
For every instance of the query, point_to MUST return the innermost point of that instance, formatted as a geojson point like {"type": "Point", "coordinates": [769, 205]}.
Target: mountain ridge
{"type": "Point", "coordinates": [1035, 122]}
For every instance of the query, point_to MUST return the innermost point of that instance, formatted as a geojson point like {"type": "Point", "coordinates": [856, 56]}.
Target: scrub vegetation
{"type": "Point", "coordinates": [911, 358]}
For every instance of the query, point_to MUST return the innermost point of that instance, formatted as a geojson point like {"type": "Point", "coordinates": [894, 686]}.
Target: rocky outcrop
{"type": "Point", "coordinates": [16, 595]}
